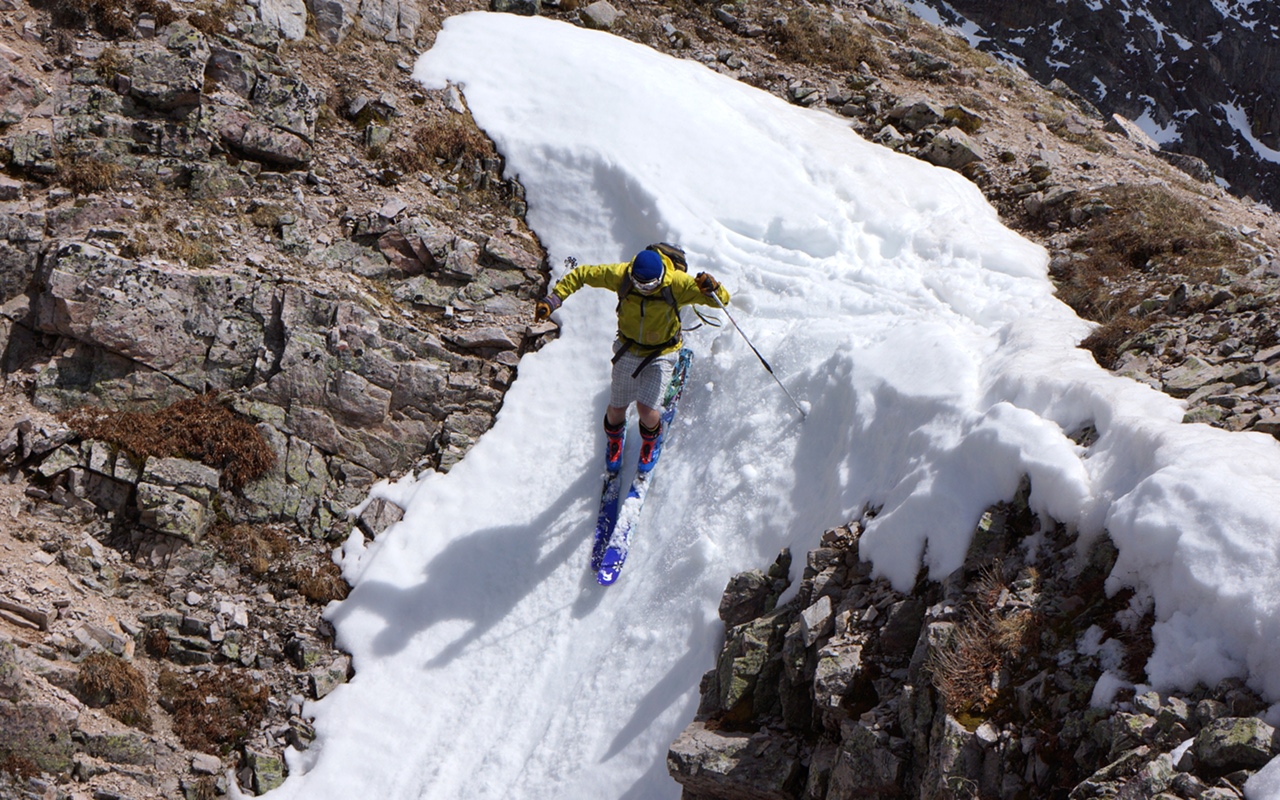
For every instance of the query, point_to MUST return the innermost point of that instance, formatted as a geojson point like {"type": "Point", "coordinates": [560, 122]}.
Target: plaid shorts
{"type": "Point", "coordinates": [646, 388]}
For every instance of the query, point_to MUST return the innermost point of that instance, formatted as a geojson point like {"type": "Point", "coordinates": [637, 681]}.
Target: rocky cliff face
{"type": "Point", "coordinates": [1201, 76]}
{"type": "Point", "coordinates": [1013, 678]}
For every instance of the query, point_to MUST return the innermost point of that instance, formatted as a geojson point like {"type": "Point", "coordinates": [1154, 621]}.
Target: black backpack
{"type": "Point", "coordinates": [675, 253]}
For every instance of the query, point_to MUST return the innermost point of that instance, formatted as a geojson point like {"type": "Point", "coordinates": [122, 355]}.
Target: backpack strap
{"type": "Point", "coordinates": [654, 351]}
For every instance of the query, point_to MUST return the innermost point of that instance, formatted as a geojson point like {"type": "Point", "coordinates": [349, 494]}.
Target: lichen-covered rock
{"type": "Point", "coordinates": [37, 733]}
{"type": "Point", "coordinates": [287, 16]}
{"type": "Point", "coordinates": [865, 767]}
{"type": "Point", "coordinates": [952, 149]}
{"type": "Point", "coordinates": [724, 764]}
{"type": "Point", "coordinates": [392, 20]}
{"type": "Point", "coordinates": [916, 115]}
{"type": "Point", "coordinates": [175, 497]}
{"type": "Point", "coordinates": [1232, 743]}
{"type": "Point", "coordinates": [266, 771]}
{"type": "Point", "coordinates": [744, 598]}
{"type": "Point", "coordinates": [168, 73]}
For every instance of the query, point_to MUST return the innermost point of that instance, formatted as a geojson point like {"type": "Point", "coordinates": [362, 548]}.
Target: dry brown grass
{"type": "Point", "coordinates": [256, 549]}
{"type": "Point", "coordinates": [238, 708]}
{"type": "Point", "coordinates": [193, 252]}
{"type": "Point", "coordinates": [808, 37]}
{"type": "Point", "coordinates": [112, 62]}
{"type": "Point", "coordinates": [211, 17]}
{"type": "Point", "coordinates": [962, 672]}
{"type": "Point", "coordinates": [199, 428]}
{"type": "Point", "coordinates": [320, 584]}
{"type": "Point", "coordinates": [263, 552]}
{"type": "Point", "coordinates": [111, 18]}
{"type": "Point", "coordinates": [116, 686]}
{"type": "Point", "coordinates": [452, 138]}
{"type": "Point", "coordinates": [1151, 238]}
{"type": "Point", "coordinates": [986, 641]}
{"type": "Point", "coordinates": [19, 767]}
{"type": "Point", "coordinates": [84, 174]}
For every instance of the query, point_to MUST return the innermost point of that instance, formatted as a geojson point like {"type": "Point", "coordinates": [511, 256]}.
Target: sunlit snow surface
{"type": "Point", "coordinates": [886, 294]}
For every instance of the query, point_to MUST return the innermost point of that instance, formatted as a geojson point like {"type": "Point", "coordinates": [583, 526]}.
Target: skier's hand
{"type": "Point", "coordinates": [542, 311]}
{"type": "Point", "coordinates": [707, 284]}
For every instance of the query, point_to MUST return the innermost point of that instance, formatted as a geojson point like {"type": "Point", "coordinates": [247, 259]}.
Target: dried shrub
{"type": "Point", "coordinates": [213, 711]}
{"type": "Point", "coordinates": [320, 584]}
{"type": "Point", "coordinates": [805, 37]}
{"type": "Point", "coordinates": [452, 138]}
{"type": "Point", "coordinates": [256, 549]}
{"type": "Point", "coordinates": [19, 767]}
{"type": "Point", "coordinates": [111, 18]}
{"type": "Point", "coordinates": [109, 682]}
{"type": "Point", "coordinates": [267, 215]}
{"type": "Point", "coordinates": [157, 643]}
{"type": "Point", "coordinates": [211, 17]}
{"type": "Point", "coordinates": [962, 671]}
{"type": "Point", "coordinates": [163, 12]}
{"type": "Point", "coordinates": [1149, 235]}
{"type": "Point", "coordinates": [112, 62]}
{"type": "Point", "coordinates": [194, 252]}
{"type": "Point", "coordinates": [984, 642]}
{"type": "Point", "coordinates": [138, 245]}
{"type": "Point", "coordinates": [198, 428]}
{"type": "Point", "coordinates": [85, 174]}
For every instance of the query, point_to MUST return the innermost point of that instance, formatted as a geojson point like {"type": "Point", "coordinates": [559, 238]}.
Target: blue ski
{"type": "Point", "coordinates": [607, 517]}
{"type": "Point", "coordinates": [627, 516]}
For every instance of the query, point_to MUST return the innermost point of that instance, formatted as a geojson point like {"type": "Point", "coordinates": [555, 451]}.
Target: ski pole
{"type": "Point", "coordinates": [757, 352]}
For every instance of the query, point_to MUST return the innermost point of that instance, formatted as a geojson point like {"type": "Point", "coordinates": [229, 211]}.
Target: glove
{"type": "Point", "coordinates": [706, 284]}
{"type": "Point", "coordinates": [542, 311]}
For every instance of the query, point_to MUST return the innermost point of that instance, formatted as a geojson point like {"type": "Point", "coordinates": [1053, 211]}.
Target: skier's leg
{"type": "Point", "coordinates": [615, 415]}
{"type": "Point", "coordinates": [649, 417]}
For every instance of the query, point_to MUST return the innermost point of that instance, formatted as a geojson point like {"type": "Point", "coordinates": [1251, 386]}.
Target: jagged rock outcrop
{"type": "Point", "coordinates": [1012, 678]}
{"type": "Point", "coordinates": [1196, 74]}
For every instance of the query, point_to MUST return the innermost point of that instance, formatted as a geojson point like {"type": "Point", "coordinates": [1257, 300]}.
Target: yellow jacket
{"type": "Point", "coordinates": [645, 320]}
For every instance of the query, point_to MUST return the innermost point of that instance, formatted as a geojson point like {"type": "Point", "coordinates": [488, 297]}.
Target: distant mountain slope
{"type": "Point", "coordinates": [1202, 76]}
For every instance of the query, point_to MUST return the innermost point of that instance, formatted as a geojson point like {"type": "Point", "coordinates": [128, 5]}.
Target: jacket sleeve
{"type": "Point", "coordinates": [686, 291]}
{"type": "Point", "coordinates": [602, 276]}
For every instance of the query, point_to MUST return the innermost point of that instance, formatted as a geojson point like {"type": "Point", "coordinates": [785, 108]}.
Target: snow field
{"type": "Point", "coordinates": [937, 367]}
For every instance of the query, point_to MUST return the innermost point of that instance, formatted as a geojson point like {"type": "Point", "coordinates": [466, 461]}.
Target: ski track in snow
{"type": "Point", "coordinates": [939, 369]}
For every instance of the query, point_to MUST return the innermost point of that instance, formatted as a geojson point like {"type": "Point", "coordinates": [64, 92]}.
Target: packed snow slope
{"type": "Point", "coordinates": [937, 368]}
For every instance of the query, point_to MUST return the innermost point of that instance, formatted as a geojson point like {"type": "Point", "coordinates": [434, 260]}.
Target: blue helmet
{"type": "Point", "coordinates": [647, 270]}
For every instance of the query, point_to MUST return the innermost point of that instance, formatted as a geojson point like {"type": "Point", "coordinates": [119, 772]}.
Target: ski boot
{"type": "Point", "coordinates": [650, 447]}
{"type": "Point", "coordinates": [615, 443]}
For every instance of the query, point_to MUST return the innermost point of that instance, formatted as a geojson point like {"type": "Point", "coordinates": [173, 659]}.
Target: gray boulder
{"type": "Point", "coordinates": [21, 89]}
{"type": "Point", "coordinates": [168, 72]}
{"type": "Point", "coordinates": [334, 19]}
{"type": "Point", "coordinates": [724, 764]}
{"type": "Point", "coordinates": [744, 598]}
{"type": "Point", "coordinates": [1231, 743]}
{"type": "Point", "coordinates": [392, 20]}
{"type": "Point", "coordinates": [865, 768]}
{"type": "Point", "coordinates": [287, 16]}
{"type": "Point", "coordinates": [600, 15]}
{"type": "Point", "coordinates": [952, 149]}
{"type": "Point", "coordinates": [175, 497]}
{"type": "Point", "coordinates": [918, 114]}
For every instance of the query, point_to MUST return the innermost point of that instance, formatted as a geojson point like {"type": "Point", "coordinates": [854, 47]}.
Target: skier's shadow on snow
{"type": "Point", "coordinates": [479, 578]}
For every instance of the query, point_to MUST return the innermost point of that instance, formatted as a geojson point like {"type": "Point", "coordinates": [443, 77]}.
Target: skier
{"type": "Point", "coordinates": [651, 291]}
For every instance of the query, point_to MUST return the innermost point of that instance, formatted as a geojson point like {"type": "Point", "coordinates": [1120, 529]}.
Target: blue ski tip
{"type": "Point", "coordinates": [610, 566]}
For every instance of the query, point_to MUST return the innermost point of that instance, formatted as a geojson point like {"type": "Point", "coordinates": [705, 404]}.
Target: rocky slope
{"type": "Point", "coordinates": [998, 682]}
{"type": "Point", "coordinates": [278, 271]}
{"type": "Point", "coordinates": [1200, 75]}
